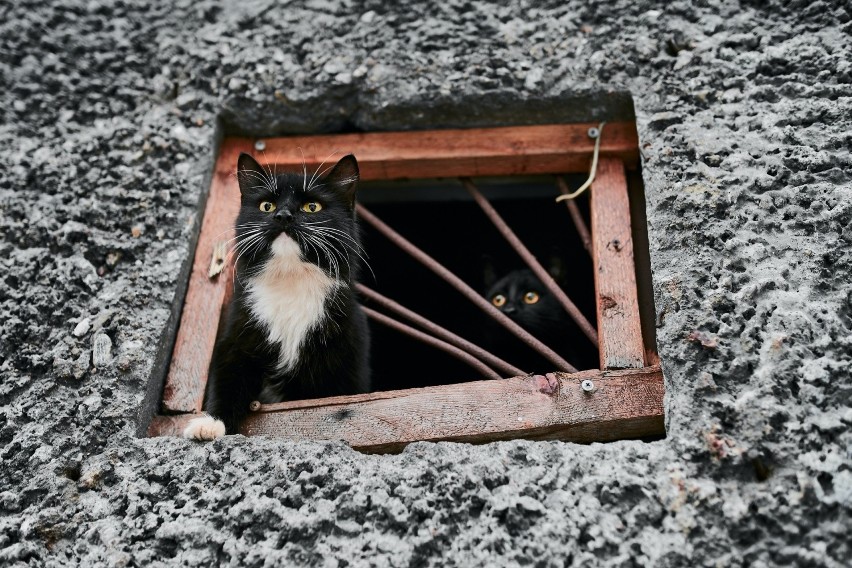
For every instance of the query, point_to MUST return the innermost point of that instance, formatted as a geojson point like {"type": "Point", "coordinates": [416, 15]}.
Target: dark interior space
{"type": "Point", "coordinates": [439, 217]}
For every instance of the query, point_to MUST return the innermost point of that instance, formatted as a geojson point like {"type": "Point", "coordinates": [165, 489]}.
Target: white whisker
{"type": "Point", "coordinates": [315, 177]}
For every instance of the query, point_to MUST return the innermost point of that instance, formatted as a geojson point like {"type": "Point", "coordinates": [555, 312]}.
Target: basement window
{"type": "Point", "coordinates": [444, 194]}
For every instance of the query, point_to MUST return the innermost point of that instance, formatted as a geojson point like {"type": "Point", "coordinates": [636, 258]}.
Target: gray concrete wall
{"type": "Point", "coordinates": [109, 117]}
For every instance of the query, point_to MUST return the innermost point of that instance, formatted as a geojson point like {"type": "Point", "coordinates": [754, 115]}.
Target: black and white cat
{"type": "Point", "coordinates": [294, 328]}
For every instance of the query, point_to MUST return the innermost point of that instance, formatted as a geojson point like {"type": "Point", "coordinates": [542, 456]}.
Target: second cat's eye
{"type": "Point", "coordinates": [267, 206]}
{"type": "Point", "coordinates": [499, 300]}
{"type": "Point", "coordinates": [311, 207]}
{"type": "Point", "coordinates": [531, 298]}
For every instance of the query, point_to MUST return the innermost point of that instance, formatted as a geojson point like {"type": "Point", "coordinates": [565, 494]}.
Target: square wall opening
{"type": "Point", "coordinates": [445, 194]}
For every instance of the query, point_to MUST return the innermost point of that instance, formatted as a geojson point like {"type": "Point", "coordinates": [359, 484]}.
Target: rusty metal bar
{"type": "Point", "coordinates": [576, 216]}
{"type": "Point", "coordinates": [466, 290]}
{"type": "Point", "coordinates": [531, 261]}
{"type": "Point", "coordinates": [483, 369]}
{"type": "Point", "coordinates": [441, 332]}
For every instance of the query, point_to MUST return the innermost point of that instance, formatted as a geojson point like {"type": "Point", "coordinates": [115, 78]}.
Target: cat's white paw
{"type": "Point", "coordinates": [204, 428]}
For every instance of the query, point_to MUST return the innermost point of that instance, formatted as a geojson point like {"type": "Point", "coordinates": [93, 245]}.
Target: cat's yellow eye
{"type": "Point", "coordinates": [267, 206]}
{"type": "Point", "coordinates": [499, 300]}
{"type": "Point", "coordinates": [531, 298]}
{"type": "Point", "coordinates": [311, 207]}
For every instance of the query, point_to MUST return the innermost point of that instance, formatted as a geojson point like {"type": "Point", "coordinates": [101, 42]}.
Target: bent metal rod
{"type": "Point", "coordinates": [466, 290]}
{"type": "Point", "coordinates": [531, 261]}
{"type": "Point", "coordinates": [460, 354]}
{"type": "Point", "coordinates": [439, 331]}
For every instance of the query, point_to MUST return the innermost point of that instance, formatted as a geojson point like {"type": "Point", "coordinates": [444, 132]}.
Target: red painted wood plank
{"type": "Point", "coordinates": [623, 404]}
{"type": "Point", "coordinates": [619, 327]}
{"type": "Point", "coordinates": [513, 150]}
{"type": "Point", "coordinates": [187, 377]}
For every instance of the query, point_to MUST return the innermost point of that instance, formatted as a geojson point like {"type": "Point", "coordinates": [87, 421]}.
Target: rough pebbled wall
{"type": "Point", "coordinates": [107, 131]}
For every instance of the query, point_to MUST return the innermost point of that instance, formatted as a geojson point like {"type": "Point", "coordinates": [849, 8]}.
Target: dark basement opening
{"type": "Point", "coordinates": [441, 218]}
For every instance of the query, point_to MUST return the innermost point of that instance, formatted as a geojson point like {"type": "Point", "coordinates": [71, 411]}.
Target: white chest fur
{"type": "Point", "coordinates": [288, 299]}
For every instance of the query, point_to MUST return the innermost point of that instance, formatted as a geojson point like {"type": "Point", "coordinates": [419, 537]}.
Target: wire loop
{"type": "Point", "coordinates": [594, 168]}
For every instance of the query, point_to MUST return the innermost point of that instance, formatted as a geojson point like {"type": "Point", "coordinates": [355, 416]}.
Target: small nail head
{"type": "Point", "coordinates": [594, 132]}
{"type": "Point", "coordinates": [587, 385]}
{"type": "Point", "coordinates": [260, 145]}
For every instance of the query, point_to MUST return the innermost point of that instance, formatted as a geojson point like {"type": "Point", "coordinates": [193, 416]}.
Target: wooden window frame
{"type": "Point", "coordinates": [625, 399]}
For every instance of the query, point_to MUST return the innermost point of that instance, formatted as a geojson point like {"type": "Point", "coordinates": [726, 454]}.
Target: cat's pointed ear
{"type": "Point", "coordinates": [344, 177]}
{"type": "Point", "coordinates": [489, 272]}
{"type": "Point", "coordinates": [251, 175]}
{"type": "Point", "coordinates": [557, 269]}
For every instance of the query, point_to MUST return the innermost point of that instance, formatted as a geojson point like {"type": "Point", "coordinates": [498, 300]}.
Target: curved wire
{"type": "Point", "coordinates": [592, 171]}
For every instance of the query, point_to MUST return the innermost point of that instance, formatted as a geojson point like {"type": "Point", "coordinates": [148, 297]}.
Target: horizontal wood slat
{"type": "Point", "coordinates": [623, 404]}
{"type": "Point", "coordinates": [512, 150]}
{"type": "Point", "coordinates": [187, 377]}
{"type": "Point", "coordinates": [619, 327]}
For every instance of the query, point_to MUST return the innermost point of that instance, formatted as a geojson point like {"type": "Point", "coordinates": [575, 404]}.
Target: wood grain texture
{"type": "Point", "coordinates": [187, 377]}
{"type": "Point", "coordinates": [514, 150]}
{"type": "Point", "coordinates": [624, 404]}
{"type": "Point", "coordinates": [619, 328]}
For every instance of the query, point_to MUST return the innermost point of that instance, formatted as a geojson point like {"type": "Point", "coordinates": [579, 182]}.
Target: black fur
{"type": "Point", "coordinates": [333, 359]}
{"type": "Point", "coordinates": [546, 319]}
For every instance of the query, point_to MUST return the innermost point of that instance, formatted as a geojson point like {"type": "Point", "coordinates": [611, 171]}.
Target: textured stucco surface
{"type": "Point", "coordinates": [107, 131]}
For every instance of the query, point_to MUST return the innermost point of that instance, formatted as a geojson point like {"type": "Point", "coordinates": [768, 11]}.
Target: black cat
{"type": "Point", "coordinates": [294, 328]}
{"type": "Point", "coordinates": [521, 296]}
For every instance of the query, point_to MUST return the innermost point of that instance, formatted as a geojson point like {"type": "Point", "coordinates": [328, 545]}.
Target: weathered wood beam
{"type": "Point", "coordinates": [512, 150]}
{"type": "Point", "coordinates": [187, 376]}
{"type": "Point", "coordinates": [619, 326]}
{"type": "Point", "coordinates": [622, 404]}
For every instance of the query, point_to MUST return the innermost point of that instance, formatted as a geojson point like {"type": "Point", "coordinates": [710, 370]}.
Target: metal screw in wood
{"type": "Point", "coordinates": [587, 386]}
